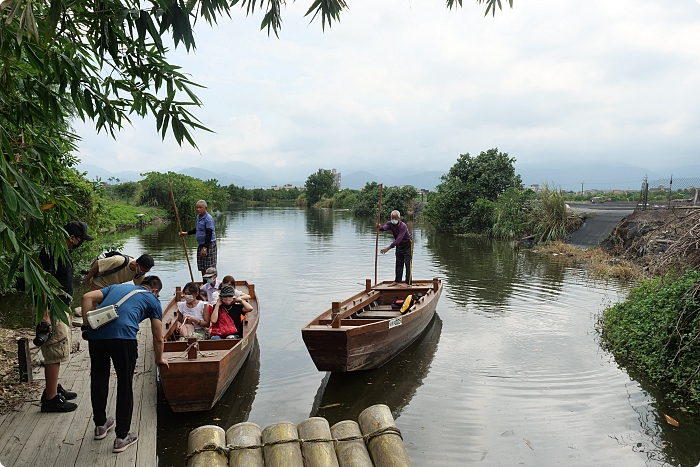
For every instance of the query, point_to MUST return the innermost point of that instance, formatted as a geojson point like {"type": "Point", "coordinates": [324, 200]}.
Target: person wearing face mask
{"type": "Point", "coordinates": [56, 349]}
{"type": "Point", "coordinates": [193, 314]}
{"type": "Point", "coordinates": [231, 305]}
{"type": "Point", "coordinates": [403, 243]}
{"type": "Point", "coordinates": [118, 269]}
{"type": "Point", "coordinates": [211, 284]}
{"type": "Point", "coordinates": [222, 325]}
{"type": "Point", "coordinates": [206, 237]}
{"type": "Point", "coordinates": [115, 343]}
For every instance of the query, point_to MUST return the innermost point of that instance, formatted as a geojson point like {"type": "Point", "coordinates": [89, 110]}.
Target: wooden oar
{"type": "Point", "coordinates": [179, 229]}
{"type": "Point", "coordinates": [376, 242]}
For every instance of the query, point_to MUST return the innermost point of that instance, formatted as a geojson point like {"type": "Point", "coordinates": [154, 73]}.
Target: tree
{"type": "Point", "coordinates": [471, 178]}
{"type": "Point", "coordinates": [319, 185]}
{"type": "Point", "coordinates": [102, 61]}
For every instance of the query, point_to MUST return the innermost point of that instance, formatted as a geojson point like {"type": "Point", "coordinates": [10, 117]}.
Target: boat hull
{"type": "Point", "coordinates": [367, 346]}
{"type": "Point", "coordinates": [197, 384]}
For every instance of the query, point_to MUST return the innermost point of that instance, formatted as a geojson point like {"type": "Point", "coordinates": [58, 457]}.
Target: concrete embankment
{"type": "Point", "coordinates": [599, 221]}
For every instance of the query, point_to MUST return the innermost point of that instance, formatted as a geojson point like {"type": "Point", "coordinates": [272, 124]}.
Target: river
{"type": "Point", "coordinates": [510, 371]}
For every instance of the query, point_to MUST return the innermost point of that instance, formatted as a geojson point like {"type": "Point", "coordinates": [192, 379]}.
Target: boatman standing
{"type": "Point", "coordinates": [206, 238]}
{"type": "Point", "coordinates": [403, 243]}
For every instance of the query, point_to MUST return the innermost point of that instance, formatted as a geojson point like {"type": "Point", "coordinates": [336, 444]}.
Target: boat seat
{"type": "Point", "coordinates": [379, 314]}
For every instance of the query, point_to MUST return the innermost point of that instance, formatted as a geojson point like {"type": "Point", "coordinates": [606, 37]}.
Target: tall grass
{"type": "Point", "coordinates": [550, 221]}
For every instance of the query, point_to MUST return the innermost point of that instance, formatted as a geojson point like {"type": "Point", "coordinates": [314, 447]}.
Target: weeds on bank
{"type": "Point", "coordinates": [657, 330]}
{"type": "Point", "coordinates": [596, 260]}
{"type": "Point", "coordinates": [12, 392]}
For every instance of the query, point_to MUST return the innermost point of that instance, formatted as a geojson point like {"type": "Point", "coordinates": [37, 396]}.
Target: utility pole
{"type": "Point", "coordinates": [581, 188]}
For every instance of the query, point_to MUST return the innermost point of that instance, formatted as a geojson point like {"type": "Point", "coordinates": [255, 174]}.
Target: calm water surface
{"type": "Point", "coordinates": [510, 371]}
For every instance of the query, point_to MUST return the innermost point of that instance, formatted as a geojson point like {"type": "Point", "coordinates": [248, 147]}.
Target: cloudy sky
{"type": "Point", "coordinates": [408, 85]}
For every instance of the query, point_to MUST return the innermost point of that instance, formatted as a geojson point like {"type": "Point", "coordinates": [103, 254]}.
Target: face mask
{"type": "Point", "coordinates": [139, 273]}
{"type": "Point", "coordinates": [189, 298]}
{"type": "Point", "coordinates": [394, 221]}
{"type": "Point", "coordinates": [210, 280]}
{"type": "Point", "coordinates": [80, 242]}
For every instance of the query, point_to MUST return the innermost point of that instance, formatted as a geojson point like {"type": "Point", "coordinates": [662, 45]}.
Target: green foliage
{"type": "Point", "coordinates": [399, 198]}
{"type": "Point", "coordinates": [550, 219]}
{"type": "Point", "coordinates": [319, 185]}
{"type": "Point", "coordinates": [512, 214]}
{"type": "Point", "coordinates": [480, 218]}
{"type": "Point", "coordinates": [471, 178]}
{"type": "Point", "coordinates": [657, 330]}
{"type": "Point", "coordinates": [128, 192]}
{"type": "Point", "coordinates": [345, 199]}
{"type": "Point", "coordinates": [186, 190]}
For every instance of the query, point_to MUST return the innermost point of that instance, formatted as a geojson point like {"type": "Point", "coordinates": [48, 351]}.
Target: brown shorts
{"type": "Point", "coordinates": [57, 348]}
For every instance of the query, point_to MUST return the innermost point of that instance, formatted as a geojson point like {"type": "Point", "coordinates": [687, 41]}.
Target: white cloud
{"type": "Point", "coordinates": [401, 84]}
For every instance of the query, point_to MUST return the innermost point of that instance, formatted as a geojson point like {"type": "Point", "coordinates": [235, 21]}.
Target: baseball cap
{"type": "Point", "coordinates": [210, 272]}
{"type": "Point", "coordinates": [79, 229]}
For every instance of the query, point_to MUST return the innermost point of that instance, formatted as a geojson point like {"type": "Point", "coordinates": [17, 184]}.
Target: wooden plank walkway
{"type": "Point", "coordinates": [31, 438]}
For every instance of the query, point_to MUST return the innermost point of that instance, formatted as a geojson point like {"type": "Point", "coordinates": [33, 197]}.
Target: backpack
{"type": "Point", "coordinates": [109, 254]}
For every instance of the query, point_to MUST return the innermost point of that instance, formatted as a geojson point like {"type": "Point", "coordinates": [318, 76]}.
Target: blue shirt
{"type": "Point", "coordinates": [138, 307]}
{"type": "Point", "coordinates": [203, 223]}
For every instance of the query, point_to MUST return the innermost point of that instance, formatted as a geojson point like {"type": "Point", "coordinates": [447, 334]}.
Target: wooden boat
{"type": "Point", "coordinates": [200, 374]}
{"type": "Point", "coordinates": [363, 332]}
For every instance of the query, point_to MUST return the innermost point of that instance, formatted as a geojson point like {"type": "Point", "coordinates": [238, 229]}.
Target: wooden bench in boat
{"type": "Point", "coordinates": [379, 314]}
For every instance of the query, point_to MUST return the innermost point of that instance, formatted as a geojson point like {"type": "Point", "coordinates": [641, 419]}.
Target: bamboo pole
{"type": "Point", "coordinates": [179, 229]}
{"type": "Point", "coordinates": [376, 241]}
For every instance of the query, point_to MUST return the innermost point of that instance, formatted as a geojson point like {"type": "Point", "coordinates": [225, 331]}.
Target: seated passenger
{"type": "Point", "coordinates": [222, 326]}
{"type": "Point", "coordinates": [211, 284]}
{"type": "Point", "coordinates": [229, 280]}
{"type": "Point", "coordinates": [193, 314]}
{"type": "Point", "coordinates": [235, 306]}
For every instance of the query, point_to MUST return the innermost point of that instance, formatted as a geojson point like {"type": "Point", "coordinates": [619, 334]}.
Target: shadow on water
{"type": "Point", "coordinates": [234, 407]}
{"type": "Point", "coordinates": [342, 396]}
{"type": "Point", "coordinates": [488, 272]}
{"type": "Point", "coordinates": [661, 441]}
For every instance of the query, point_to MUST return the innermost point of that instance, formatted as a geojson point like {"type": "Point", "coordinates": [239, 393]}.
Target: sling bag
{"type": "Point", "coordinates": [101, 316]}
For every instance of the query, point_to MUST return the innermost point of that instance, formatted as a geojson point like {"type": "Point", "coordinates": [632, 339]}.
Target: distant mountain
{"type": "Point", "coordinates": [94, 172]}
{"type": "Point", "coordinates": [357, 180]}
{"type": "Point", "coordinates": [593, 175]}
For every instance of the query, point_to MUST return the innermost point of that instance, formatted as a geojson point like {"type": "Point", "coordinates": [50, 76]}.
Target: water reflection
{"type": "Point", "coordinates": [342, 396]}
{"type": "Point", "coordinates": [234, 407]}
{"type": "Point", "coordinates": [489, 273]}
{"type": "Point", "coordinates": [319, 223]}
{"type": "Point", "coordinates": [658, 439]}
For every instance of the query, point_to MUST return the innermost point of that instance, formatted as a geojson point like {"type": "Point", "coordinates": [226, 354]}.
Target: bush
{"type": "Point", "coordinates": [512, 213]}
{"type": "Point", "coordinates": [550, 219]}
{"type": "Point", "coordinates": [657, 330]}
{"type": "Point", "coordinates": [470, 179]}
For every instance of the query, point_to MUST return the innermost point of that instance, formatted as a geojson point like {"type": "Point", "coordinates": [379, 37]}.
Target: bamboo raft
{"type": "Point", "coordinates": [372, 441]}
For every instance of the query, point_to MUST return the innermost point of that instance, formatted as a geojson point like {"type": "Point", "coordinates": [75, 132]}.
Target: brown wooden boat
{"type": "Point", "coordinates": [363, 332]}
{"type": "Point", "coordinates": [200, 374]}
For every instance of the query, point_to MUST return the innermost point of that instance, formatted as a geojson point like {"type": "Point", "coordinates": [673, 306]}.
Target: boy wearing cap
{"type": "Point", "coordinates": [56, 349]}
{"type": "Point", "coordinates": [211, 285]}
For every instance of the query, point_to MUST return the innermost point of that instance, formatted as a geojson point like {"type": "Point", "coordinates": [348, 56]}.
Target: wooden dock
{"type": "Point", "coordinates": [31, 438]}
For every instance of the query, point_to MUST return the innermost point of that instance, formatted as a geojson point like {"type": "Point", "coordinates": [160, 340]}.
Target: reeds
{"type": "Point", "coordinates": [550, 220]}
{"type": "Point", "coordinates": [597, 261]}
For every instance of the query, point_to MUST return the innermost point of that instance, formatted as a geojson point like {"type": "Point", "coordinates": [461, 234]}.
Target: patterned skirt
{"type": "Point", "coordinates": [209, 261]}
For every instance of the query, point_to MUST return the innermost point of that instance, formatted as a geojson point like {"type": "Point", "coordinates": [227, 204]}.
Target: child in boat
{"type": "Point", "coordinates": [229, 280]}
{"type": "Point", "coordinates": [222, 325]}
{"type": "Point", "coordinates": [234, 306]}
{"type": "Point", "coordinates": [193, 314]}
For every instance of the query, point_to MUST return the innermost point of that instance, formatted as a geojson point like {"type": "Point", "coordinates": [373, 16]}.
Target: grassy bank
{"type": "Point", "coordinates": [657, 331]}
{"type": "Point", "coordinates": [123, 216]}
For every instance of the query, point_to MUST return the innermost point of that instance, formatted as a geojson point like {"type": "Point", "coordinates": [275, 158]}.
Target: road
{"type": "Point", "coordinates": [600, 222]}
